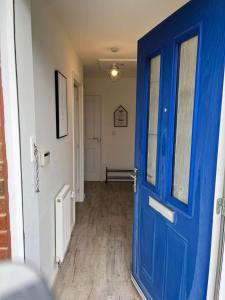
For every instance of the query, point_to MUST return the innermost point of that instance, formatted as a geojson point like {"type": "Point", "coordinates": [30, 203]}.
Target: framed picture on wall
{"type": "Point", "coordinates": [120, 117]}
{"type": "Point", "coordinates": [61, 105]}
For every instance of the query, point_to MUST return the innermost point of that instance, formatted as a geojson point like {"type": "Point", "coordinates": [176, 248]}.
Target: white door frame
{"type": "Point", "coordinates": [80, 196]}
{"type": "Point", "coordinates": [76, 143]}
{"type": "Point", "coordinates": [101, 139]}
{"type": "Point", "coordinates": [12, 128]}
{"type": "Point", "coordinates": [219, 188]}
{"type": "Point", "coordinates": [18, 93]}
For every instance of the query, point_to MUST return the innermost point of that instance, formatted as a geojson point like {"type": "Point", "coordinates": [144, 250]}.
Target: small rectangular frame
{"type": "Point", "coordinates": [61, 105]}
{"type": "Point", "coordinates": [120, 117]}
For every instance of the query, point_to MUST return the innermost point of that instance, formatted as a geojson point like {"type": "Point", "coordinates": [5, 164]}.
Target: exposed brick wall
{"type": "Point", "coordinates": [5, 243]}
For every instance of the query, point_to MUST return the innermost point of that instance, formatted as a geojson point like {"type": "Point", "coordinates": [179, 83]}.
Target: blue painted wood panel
{"type": "Point", "coordinates": [175, 266]}
{"type": "Point", "coordinates": [171, 261]}
{"type": "Point", "coordinates": [148, 253]}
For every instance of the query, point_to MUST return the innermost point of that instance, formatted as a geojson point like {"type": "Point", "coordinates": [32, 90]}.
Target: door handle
{"type": "Point", "coordinates": [134, 177]}
{"type": "Point", "coordinates": [97, 139]}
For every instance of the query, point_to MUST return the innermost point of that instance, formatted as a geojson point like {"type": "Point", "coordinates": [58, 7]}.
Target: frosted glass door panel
{"type": "Point", "coordinates": [184, 118]}
{"type": "Point", "coordinates": [153, 118]}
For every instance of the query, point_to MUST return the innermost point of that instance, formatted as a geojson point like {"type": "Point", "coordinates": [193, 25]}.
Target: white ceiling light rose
{"type": "Point", "coordinates": [114, 49]}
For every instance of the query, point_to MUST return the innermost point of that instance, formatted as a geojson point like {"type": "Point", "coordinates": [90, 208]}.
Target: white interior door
{"type": "Point", "coordinates": [92, 125]}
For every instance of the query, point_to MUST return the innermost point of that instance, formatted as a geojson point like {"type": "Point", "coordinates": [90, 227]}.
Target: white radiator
{"type": "Point", "coordinates": [64, 221]}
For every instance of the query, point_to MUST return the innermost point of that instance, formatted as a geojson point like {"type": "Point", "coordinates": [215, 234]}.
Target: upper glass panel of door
{"type": "Point", "coordinates": [154, 83]}
{"type": "Point", "coordinates": [184, 118]}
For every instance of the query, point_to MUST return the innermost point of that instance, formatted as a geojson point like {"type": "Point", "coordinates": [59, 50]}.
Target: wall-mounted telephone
{"type": "Point", "coordinates": [44, 158]}
{"type": "Point", "coordinates": [38, 158]}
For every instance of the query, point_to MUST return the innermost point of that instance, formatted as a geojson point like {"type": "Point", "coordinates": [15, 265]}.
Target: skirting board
{"type": "Point", "coordinates": [80, 198]}
{"type": "Point", "coordinates": [138, 288]}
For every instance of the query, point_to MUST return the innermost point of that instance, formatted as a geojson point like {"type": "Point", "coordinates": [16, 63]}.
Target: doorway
{"type": "Point", "coordinates": [92, 123]}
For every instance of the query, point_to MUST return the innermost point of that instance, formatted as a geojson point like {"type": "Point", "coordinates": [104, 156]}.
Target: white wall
{"type": "Point", "coordinates": [51, 51]}
{"type": "Point", "coordinates": [117, 143]}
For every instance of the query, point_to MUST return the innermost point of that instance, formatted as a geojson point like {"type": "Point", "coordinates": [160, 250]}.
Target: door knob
{"type": "Point", "coordinates": [97, 139]}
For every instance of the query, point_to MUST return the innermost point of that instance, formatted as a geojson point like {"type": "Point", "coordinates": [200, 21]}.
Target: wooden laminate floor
{"type": "Point", "coordinates": [97, 265]}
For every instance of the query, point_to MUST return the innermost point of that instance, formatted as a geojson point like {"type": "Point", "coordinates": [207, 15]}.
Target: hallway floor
{"type": "Point", "coordinates": [97, 265]}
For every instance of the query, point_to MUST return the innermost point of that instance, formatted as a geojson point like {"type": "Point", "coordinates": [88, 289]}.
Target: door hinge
{"type": "Point", "coordinates": [220, 206]}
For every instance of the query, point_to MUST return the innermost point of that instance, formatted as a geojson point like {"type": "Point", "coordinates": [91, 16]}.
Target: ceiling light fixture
{"type": "Point", "coordinates": [115, 65]}
{"type": "Point", "coordinates": [114, 72]}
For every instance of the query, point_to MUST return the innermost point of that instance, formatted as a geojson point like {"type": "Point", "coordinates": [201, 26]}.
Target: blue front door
{"type": "Point", "coordinates": [179, 93]}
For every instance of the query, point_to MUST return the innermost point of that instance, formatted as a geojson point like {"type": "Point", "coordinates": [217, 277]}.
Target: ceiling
{"type": "Point", "coordinates": [94, 26]}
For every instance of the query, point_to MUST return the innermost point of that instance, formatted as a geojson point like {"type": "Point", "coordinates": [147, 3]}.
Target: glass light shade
{"type": "Point", "coordinates": [114, 72]}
